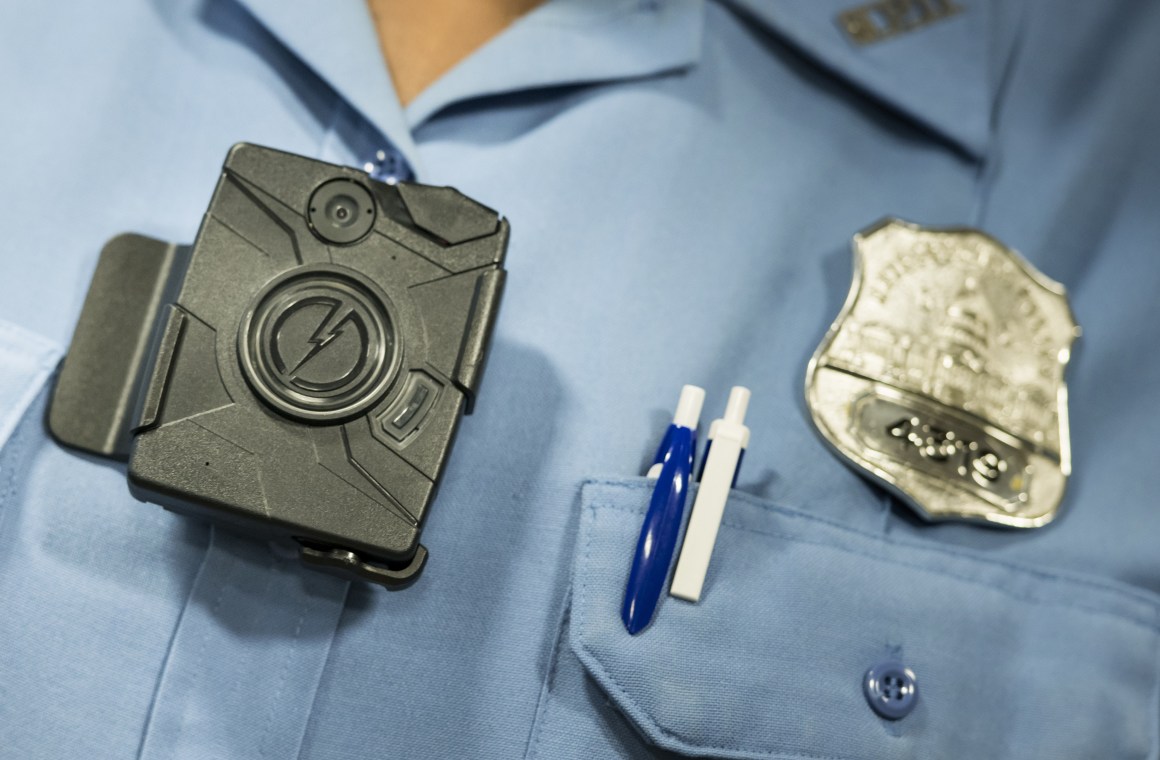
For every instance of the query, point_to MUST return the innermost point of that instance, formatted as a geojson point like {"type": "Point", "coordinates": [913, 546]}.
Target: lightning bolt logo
{"type": "Point", "coordinates": [329, 329]}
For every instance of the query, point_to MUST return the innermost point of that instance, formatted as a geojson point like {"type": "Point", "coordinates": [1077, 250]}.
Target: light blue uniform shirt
{"type": "Point", "coordinates": [683, 179]}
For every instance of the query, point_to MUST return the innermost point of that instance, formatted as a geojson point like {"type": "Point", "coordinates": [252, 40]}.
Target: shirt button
{"type": "Point", "coordinates": [388, 166]}
{"type": "Point", "coordinates": [891, 689]}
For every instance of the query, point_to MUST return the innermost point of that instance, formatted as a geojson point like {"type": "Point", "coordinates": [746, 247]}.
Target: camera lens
{"type": "Point", "coordinates": [341, 211]}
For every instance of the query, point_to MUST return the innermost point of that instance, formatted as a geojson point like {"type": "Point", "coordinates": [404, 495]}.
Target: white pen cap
{"type": "Point", "coordinates": [733, 423]}
{"type": "Point", "coordinates": [689, 406]}
{"type": "Point", "coordinates": [737, 405]}
{"type": "Point", "coordinates": [688, 415]}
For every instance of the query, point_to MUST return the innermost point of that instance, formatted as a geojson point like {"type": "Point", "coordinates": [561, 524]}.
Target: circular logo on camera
{"type": "Point", "coordinates": [318, 345]}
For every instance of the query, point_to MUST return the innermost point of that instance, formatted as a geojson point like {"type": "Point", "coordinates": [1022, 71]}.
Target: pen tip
{"type": "Point", "coordinates": [634, 622]}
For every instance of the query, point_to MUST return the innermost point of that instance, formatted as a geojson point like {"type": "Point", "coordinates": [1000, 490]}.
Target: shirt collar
{"type": "Point", "coordinates": [337, 41]}
{"type": "Point", "coordinates": [568, 42]}
{"type": "Point", "coordinates": [942, 76]}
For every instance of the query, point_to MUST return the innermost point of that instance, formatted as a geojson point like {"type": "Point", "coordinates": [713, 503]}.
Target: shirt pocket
{"type": "Point", "coordinates": [1010, 661]}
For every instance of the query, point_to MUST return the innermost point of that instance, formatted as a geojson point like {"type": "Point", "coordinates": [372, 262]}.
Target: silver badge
{"type": "Point", "coordinates": [943, 376]}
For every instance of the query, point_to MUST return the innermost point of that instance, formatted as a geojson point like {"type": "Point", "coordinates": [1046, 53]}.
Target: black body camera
{"type": "Point", "coordinates": [300, 370]}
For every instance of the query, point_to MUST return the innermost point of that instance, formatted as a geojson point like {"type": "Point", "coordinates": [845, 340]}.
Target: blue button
{"type": "Point", "coordinates": [891, 689]}
{"type": "Point", "coordinates": [388, 165]}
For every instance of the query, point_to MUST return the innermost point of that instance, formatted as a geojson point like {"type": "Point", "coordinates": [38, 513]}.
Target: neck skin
{"type": "Point", "coordinates": [423, 39]}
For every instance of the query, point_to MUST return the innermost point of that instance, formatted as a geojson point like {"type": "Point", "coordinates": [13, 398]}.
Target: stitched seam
{"type": "Point", "coordinates": [546, 695]}
{"type": "Point", "coordinates": [285, 671]}
{"type": "Point", "coordinates": [1129, 594]}
{"type": "Point", "coordinates": [8, 451]}
{"type": "Point", "coordinates": [615, 14]}
{"type": "Point", "coordinates": [217, 603]}
{"type": "Point", "coordinates": [325, 667]}
{"type": "Point", "coordinates": [237, 682]}
{"type": "Point", "coordinates": [1155, 733]}
{"type": "Point", "coordinates": [147, 728]}
{"type": "Point", "coordinates": [1150, 626]}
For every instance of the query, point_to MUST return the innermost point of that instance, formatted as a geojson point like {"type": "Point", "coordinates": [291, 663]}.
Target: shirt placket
{"type": "Point", "coordinates": [250, 647]}
{"type": "Point", "coordinates": [247, 655]}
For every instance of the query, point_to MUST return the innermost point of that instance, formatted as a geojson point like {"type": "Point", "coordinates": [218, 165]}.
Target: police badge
{"type": "Point", "coordinates": [943, 376]}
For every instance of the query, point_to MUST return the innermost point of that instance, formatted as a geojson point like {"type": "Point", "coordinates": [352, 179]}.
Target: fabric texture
{"type": "Point", "coordinates": [683, 179]}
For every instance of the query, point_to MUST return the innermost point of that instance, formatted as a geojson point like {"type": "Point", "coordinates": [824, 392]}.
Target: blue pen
{"type": "Point", "coordinates": [673, 470]}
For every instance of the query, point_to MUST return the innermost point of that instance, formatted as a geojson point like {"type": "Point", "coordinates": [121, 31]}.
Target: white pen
{"type": "Point", "coordinates": [728, 438]}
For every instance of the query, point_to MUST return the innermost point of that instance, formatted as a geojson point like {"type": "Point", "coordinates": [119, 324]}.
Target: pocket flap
{"type": "Point", "coordinates": [1010, 661]}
